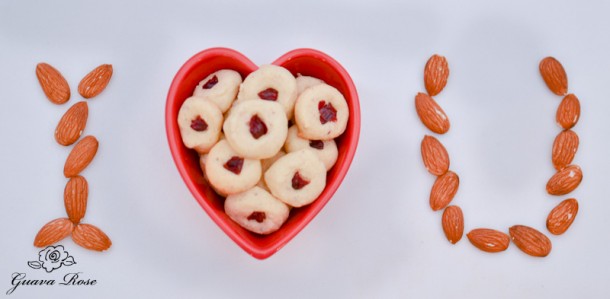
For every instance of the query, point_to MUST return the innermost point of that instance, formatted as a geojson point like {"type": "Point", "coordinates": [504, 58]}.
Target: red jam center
{"type": "Point", "coordinates": [268, 94]}
{"type": "Point", "coordinates": [234, 165]}
{"type": "Point", "coordinates": [298, 182]}
{"type": "Point", "coordinates": [258, 216]}
{"type": "Point", "coordinates": [327, 112]}
{"type": "Point", "coordinates": [317, 144]}
{"type": "Point", "coordinates": [210, 83]}
{"type": "Point", "coordinates": [198, 124]}
{"type": "Point", "coordinates": [257, 127]}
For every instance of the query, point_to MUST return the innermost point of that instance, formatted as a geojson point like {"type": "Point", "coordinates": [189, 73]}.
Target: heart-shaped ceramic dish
{"type": "Point", "coordinates": [307, 62]}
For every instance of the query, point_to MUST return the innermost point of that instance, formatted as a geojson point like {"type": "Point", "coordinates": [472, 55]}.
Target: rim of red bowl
{"type": "Point", "coordinates": [333, 185]}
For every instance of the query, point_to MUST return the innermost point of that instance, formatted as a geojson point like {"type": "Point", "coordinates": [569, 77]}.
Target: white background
{"type": "Point", "coordinates": [377, 237]}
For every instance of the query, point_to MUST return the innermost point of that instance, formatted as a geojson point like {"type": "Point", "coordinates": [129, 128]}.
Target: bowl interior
{"type": "Point", "coordinates": [301, 61]}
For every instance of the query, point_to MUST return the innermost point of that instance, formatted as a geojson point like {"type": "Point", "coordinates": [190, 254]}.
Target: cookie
{"type": "Point", "coordinates": [271, 83]}
{"type": "Point", "coordinates": [256, 129]}
{"type": "Point", "coordinates": [220, 88]}
{"type": "Point", "coordinates": [256, 210]}
{"type": "Point", "coordinates": [325, 149]}
{"type": "Point", "coordinates": [228, 172]}
{"type": "Point", "coordinates": [265, 164]}
{"type": "Point", "coordinates": [297, 178]}
{"type": "Point", "coordinates": [321, 113]}
{"type": "Point", "coordinates": [200, 122]}
{"type": "Point", "coordinates": [304, 82]}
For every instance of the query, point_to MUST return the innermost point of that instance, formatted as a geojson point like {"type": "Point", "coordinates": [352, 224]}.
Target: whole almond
{"type": "Point", "coordinates": [530, 240]}
{"type": "Point", "coordinates": [562, 216]}
{"type": "Point", "coordinates": [568, 111]}
{"type": "Point", "coordinates": [431, 114]}
{"type": "Point", "coordinates": [564, 181]}
{"type": "Point", "coordinates": [53, 232]}
{"type": "Point", "coordinates": [488, 240]}
{"type": "Point", "coordinates": [72, 124]}
{"type": "Point", "coordinates": [95, 82]}
{"type": "Point", "coordinates": [90, 237]}
{"type": "Point", "coordinates": [554, 75]}
{"type": "Point", "coordinates": [444, 190]}
{"type": "Point", "coordinates": [434, 155]}
{"type": "Point", "coordinates": [436, 73]}
{"type": "Point", "coordinates": [75, 198]}
{"type": "Point", "coordinates": [453, 223]}
{"type": "Point", "coordinates": [564, 149]}
{"type": "Point", "coordinates": [53, 84]}
{"type": "Point", "coordinates": [80, 156]}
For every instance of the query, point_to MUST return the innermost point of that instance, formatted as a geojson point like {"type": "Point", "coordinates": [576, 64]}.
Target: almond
{"type": "Point", "coordinates": [564, 181]}
{"type": "Point", "coordinates": [80, 156]}
{"type": "Point", "coordinates": [530, 240]}
{"type": "Point", "coordinates": [434, 155]}
{"type": "Point", "coordinates": [95, 82]}
{"type": "Point", "coordinates": [436, 73]}
{"type": "Point", "coordinates": [75, 198]}
{"type": "Point", "coordinates": [562, 216]}
{"type": "Point", "coordinates": [564, 149]}
{"type": "Point", "coordinates": [53, 232]}
{"type": "Point", "coordinates": [53, 84]}
{"type": "Point", "coordinates": [488, 240]}
{"type": "Point", "coordinates": [568, 111]}
{"type": "Point", "coordinates": [444, 190]}
{"type": "Point", "coordinates": [72, 124]}
{"type": "Point", "coordinates": [554, 76]}
{"type": "Point", "coordinates": [431, 114]}
{"type": "Point", "coordinates": [90, 237]}
{"type": "Point", "coordinates": [453, 223]}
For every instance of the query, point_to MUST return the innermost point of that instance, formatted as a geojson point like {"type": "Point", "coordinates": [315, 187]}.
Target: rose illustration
{"type": "Point", "coordinates": [51, 258]}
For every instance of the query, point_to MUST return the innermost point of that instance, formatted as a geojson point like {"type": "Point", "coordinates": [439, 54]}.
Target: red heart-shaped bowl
{"type": "Point", "coordinates": [301, 61]}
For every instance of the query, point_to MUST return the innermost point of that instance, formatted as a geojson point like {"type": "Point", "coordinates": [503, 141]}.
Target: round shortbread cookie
{"type": "Point", "coordinates": [321, 113]}
{"type": "Point", "coordinates": [325, 149]}
{"type": "Point", "coordinates": [256, 129]}
{"type": "Point", "coordinates": [257, 211]}
{"type": "Point", "coordinates": [230, 173]}
{"type": "Point", "coordinates": [220, 87]}
{"type": "Point", "coordinates": [202, 160]}
{"type": "Point", "coordinates": [297, 178]}
{"type": "Point", "coordinates": [271, 83]}
{"type": "Point", "coordinates": [200, 122]}
{"type": "Point", "coordinates": [304, 82]}
{"type": "Point", "coordinates": [265, 164]}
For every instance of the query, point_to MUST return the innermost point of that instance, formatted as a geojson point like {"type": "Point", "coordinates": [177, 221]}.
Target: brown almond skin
{"type": "Point", "coordinates": [434, 155]}
{"type": "Point", "coordinates": [565, 180]}
{"type": "Point", "coordinates": [53, 232]}
{"type": "Point", "coordinates": [488, 240]}
{"type": "Point", "coordinates": [530, 240]}
{"type": "Point", "coordinates": [562, 216]}
{"type": "Point", "coordinates": [444, 189]}
{"type": "Point", "coordinates": [53, 84]}
{"type": "Point", "coordinates": [431, 114]}
{"type": "Point", "coordinates": [554, 76]}
{"type": "Point", "coordinates": [436, 74]}
{"type": "Point", "coordinates": [95, 82]}
{"type": "Point", "coordinates": [75, 198]}
{"type": "Point", "coordinates": [72, 124]}
{"type": "Point", "coordinates": [90, 237]}
{"type": "Point", "coordinates": [564, 149]}
{"type": "Point", "coordinates": [80, 156]}
{"type": "Point", "coordinates": [568, 112]}
{"type": "Point", "coordinates": [453, 224]}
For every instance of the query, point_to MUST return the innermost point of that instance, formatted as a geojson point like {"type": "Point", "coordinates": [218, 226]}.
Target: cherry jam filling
{"type": "Point", "coordinates": [327, 112]}
{"type": "Point", "coordinates": [257, 127]}
{"type": "Point", "coordinates": [257, 216]}
{"type": "Point", "coordinates": [198, 124]}
{"type": "Point", "coordinates": [298, 182]}
{"type": "Point", "coordinates": [234, 165]}
{"type": "Point", "coordinates": [213, 81]}
{"type": "Point", "coordinates": [268, 94]}
{"type": "Point", "coordinates": [317, 144]}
